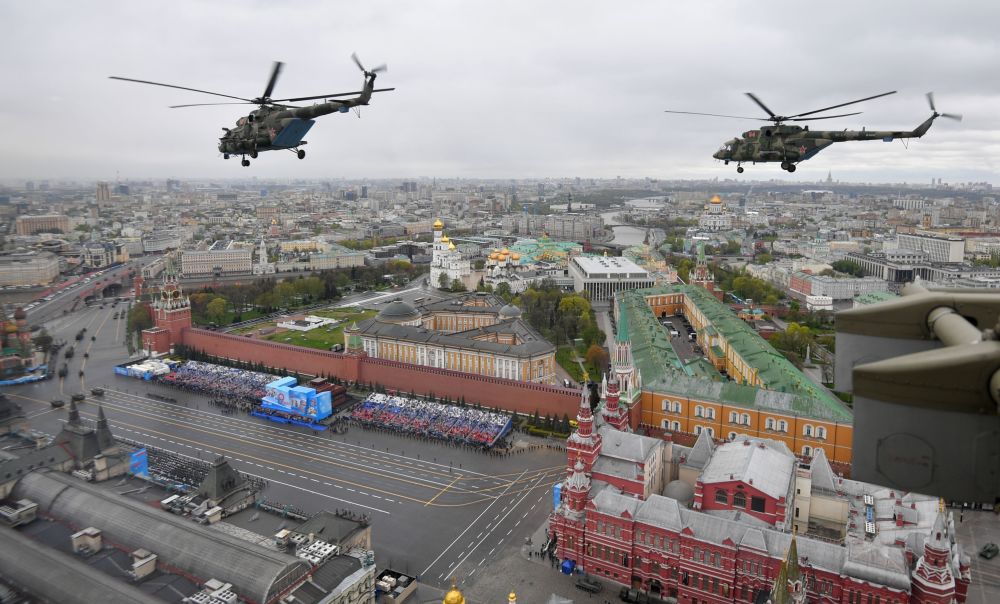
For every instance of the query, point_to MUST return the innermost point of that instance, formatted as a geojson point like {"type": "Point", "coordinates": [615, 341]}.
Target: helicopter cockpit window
{"type": "Point", "coordinates": [241, 121]}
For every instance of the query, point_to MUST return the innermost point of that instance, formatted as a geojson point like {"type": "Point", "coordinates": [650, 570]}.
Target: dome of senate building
{"type": "Point", "coordinates": [398, 311]}
{"type": "Point", "coordinates": [510, 311]}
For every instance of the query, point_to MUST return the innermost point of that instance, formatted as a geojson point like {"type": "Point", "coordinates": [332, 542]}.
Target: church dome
{"type": "Point", "coordinates": [510, 311]}
{"type": "Point", "coordinates": [505, 251]}
{"type": "Point", "coordinates": [715, 199]}
{"type": "Point", "coordinates": [515, 256]}
{"type": "Point", "coordinates": [438, 225]}
{"type": "Point", "coordinates": [398, 311]}
{"type": "Point", "coordinates": [679, 490]}
{"type": "Point", "coordinates": [453, 596]}
{"type": "Point", "coordinates": [444, 239]}
{"type": "Point", "coordinates": [451, 245]}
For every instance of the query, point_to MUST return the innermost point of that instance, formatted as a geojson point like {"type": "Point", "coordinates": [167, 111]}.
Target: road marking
{"type": "Point", "coordinates": [473, 572]}
{"type": "Point", "coordinates": [479, 535]}
{"type": "Point", "coordinates": [516, 524]}
{"type": "Point", "coordinates": [509, 531]}
{"type": "Point", "coordinates": [442, 491]}
{"type": "Point", "coordinates": [492, 503]}
{"type": "Point", "coordinates": [491, 552]}
{"type": "Point", "coordinates": [481, 562]}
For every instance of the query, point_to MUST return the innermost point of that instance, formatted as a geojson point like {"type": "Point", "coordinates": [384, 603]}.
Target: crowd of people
{"type": "Point", "coordinates": [238, 387]}
{"type": "Point", "coordinates": [466, 425]}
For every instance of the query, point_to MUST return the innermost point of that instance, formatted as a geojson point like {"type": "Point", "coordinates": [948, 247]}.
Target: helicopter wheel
{"type": "Point", "coordinates": [739, 169]}
{"type": "Point", "coordinates": [253, 154]}
{"type": "Point", "coordinates": [301, 154]}
{"type": "Point", "coordinates": [245, 163]}
{"type": "Point", "coordinates": [791, 167]}
{"type": "Point", "coordinates": [225, 156]}
{"type": "Point", "coordinates": [784, 165]}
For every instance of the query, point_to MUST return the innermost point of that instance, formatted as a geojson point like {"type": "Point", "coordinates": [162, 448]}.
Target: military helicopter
{"type": "Point", "coordinates": [791, 144]}
{"type": "Point", "coordinates": [274, 125]}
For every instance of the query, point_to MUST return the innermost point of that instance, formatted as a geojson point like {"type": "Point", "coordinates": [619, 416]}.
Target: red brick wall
{"type": "Point", "coordinates": [510, 395]}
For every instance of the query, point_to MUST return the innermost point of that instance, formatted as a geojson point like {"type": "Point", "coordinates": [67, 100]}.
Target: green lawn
{"type": "Point", "coordinates": [565, 356]}
{"type": "Point", "coordinates": [321, 337]}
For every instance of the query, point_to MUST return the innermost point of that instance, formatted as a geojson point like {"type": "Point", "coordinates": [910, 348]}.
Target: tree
{"type": "Point", "coordinates": [597, 358]}
{"type": "Point", "coordinates": [457, 286]}
{"type": "Point", "coordinates": [443, 281]}
{"type": "Point", "coordinates": [849, 267]}
{"type": "Point", "coordinates": [216, 310]}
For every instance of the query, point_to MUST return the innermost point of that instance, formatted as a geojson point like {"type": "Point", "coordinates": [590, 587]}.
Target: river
{"type": "Point", "coordinates": [625, 234]}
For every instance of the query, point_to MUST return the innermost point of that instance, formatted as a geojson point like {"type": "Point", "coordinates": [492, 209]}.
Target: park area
{"type": "Point", "coordinates": [322, 338]}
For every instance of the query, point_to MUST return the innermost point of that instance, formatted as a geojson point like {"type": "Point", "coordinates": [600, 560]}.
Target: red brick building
{"type": "Point", "coordinates": [728, 548]}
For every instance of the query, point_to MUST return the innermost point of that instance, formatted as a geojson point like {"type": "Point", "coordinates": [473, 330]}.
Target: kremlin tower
{"type": "Point", "coordinates": [171, 316]}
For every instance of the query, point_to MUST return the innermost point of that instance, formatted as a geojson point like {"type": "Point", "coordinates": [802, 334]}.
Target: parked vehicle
{"type": "Point", "coordinates": [56, 403]}
{"type": "Point", "coordinates": [97, 391]}
{"type": "Point", "coordinates": [79, 397]}
{"type": "Point", "coordinates": [633, 596]}
{"type": "Point", "coordinates": [989, 550]}
{"type": "Point", "coordinates": [589, 584]}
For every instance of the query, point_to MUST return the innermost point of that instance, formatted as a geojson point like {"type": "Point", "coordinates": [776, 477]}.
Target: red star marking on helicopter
{"type": "Point", "coordinates": [273, 133]}
{"type": "Point", "coordinates": [802, 149]}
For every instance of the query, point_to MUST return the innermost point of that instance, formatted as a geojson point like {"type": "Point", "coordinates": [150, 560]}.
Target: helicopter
{"type": "Point", "coordinates": [791, 144]}
{"type": "Point", "coordinates": [274, 125]}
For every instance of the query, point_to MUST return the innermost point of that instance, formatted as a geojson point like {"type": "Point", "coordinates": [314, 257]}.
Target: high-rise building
{"type": "Point", "coordinates": [103, 191]}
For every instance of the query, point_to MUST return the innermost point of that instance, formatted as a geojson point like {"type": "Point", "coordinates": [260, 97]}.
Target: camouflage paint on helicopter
{"type": "Point", "coordinates": [790, 144]}
{"type": "Point", "coordinates": [275, 125]}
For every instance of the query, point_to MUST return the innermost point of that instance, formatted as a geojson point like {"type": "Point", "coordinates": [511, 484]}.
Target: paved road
{"type": "Point", "coordinates": [436, 510]}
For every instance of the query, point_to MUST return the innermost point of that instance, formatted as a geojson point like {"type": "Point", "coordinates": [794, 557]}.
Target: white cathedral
{"type": "Point", "coordinates": [446, 260]}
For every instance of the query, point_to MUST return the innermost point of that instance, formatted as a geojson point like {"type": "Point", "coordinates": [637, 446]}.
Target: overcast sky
{"type": "Point", "coordinates": [509, 89]}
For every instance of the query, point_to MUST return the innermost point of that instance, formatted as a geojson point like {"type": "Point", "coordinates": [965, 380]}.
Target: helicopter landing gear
{"type": "Point", "coordinates": [225, 156]}
{"type": "Point", "coordinates": [784, 165]}
{"type": "Point", "coordinates": [791, 167]}
{"type": "Point", "coordinates": [739, 169]}
{"type": "Point", "coordinates": [253, 154]}
{"type": "Point", "coordinates": [301, 154]}
{"type": "Point", "coordinates": [245, 162]}
{"type": "Point", "coordinates": [787, 165]}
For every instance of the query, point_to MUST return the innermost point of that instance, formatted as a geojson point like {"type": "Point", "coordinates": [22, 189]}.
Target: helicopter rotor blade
{"type": "Point", "coordinates": [754, 98]}
{"type": "Point", "coordinates": [930, 101]}
{"type": "Point", "coordinates": [228, 96]}
{"type": "Point", "coordinates": [953, 116]}
{"type": "Point", "coordinates": [379, 68]}
{"type": "Point", "coordinates": [735, 117]}
{"type": "Point", "coordinates": [209, 104]}
{"type": "Point", "coordinates": [275, 71]}
{"type": "Point", "coordinates": [825, 117]}
{"type": "Point", "coordinates": [329, 96]}
{"type": "Point", "coordinates": [843, 104]}
{"type": "Point", "coordinates": [357, 61]}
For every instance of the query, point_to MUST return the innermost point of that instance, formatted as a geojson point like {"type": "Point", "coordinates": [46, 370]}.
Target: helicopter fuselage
{"type": "Point", "coordinates": [791, 144]}
{"type": "Point", "coordinates": [273, 128]}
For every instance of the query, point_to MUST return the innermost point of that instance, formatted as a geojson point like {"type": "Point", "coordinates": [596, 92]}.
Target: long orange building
{"type": "Point", "coordinates": [764, 396]}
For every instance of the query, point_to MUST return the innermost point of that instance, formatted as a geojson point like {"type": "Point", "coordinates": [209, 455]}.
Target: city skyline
{"type": "Point", "coordinates": [495, 92]}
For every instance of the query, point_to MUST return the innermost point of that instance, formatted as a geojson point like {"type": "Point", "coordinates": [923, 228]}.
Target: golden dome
{"type": "Point", "coordinates": [496, 250]}
{"type": "Point", "coordinates": [515, 256]}
{"type": "Point", "coordinates": [505, 251]}
{"type": "Point", "coordinates": [451, 245]}
{"type": "Point", "coordinates": [438, 225]}
{"type": "Point", "coordinates": [453, 596]}
{"type": "Point", "coordinates": [512, 598]}
{"type": "Point", "coordinates": [495, 256]}
{"type": "Point", "coordinates": [445, 239]}
{"type": "Point", "coordinates": [715, 199]}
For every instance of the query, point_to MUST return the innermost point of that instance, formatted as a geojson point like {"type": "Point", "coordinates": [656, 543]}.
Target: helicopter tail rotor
{"type": "Point", "coordinates": [368, 73]}
{"type": "Point", "coordinates": [930, 101]}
